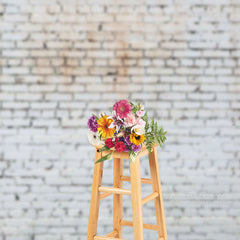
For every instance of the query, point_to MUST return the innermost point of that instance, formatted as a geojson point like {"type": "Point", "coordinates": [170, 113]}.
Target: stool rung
{"type": "Point", "coordinates": [143, 180]}
{"type": "Point", "coordinates": [112, 234]}
{"type": "Point", "coordinates": [149, 198]}
{"type": "Point", "coordinates": [106, 238]}
{"type": "Point", "coordinates": [104, 195]}
{"type": "Point", "coordinates": [115, 190]}
{"type": "Point", "coordinates": [146, 226]}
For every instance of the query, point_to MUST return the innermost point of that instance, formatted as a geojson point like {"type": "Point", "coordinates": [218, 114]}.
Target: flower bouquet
{"type": "Point", "coordinates": [126, 130]}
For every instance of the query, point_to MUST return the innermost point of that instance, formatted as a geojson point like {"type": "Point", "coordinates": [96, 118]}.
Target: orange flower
{"type": "Point", "coordinates": [104, 122]}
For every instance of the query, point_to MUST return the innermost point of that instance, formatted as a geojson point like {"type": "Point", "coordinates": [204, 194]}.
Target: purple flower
{"type": "Point", "coordinates": [136, 148]}
{"type": "Point", "coordinates": [126, 148]}
{"type": "Point", "coordinates": [127, 140]}
{"type": "Point", "coordinates": [117, 121]}
{"type": "Point", "coordinates": [92, 124]}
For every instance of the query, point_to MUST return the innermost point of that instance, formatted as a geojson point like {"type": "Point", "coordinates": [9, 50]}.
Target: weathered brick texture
{"type": "Point", "coordinates": [63, 59]}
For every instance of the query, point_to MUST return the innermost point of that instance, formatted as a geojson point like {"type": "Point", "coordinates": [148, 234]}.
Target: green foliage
{"type": "Point", "coordinates": [153, 134]}
{"type": "Point", "coordinates": [106, 157]}
{"type": "Point", "coordinates": [145, 118]}
{"type": "Point", "coordinates": [104, 148]}
{"type": "Point", "coordinates": [95, 116]}
{"type": "Point", "coordinates": [135, 108]}
{"type": "Point", "coordinates": [132, 156]}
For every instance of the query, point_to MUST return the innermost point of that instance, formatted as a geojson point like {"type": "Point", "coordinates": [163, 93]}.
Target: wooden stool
{"type": "Point", "coordinates": [100, 192]}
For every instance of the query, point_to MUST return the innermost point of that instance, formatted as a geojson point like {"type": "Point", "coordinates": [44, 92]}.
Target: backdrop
{"type": "Point", "coordinates": [61, 60]}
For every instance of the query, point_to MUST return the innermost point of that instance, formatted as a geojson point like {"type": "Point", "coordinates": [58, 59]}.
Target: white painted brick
{"type": "Point", "coordinates": [216, 105]}
{"type": "Point", "coordinates": [33, 44]}
{"type": "Point", "coordinates": [42, 70]}
{"type": "Point", "coordinates": [43, 53]}
{"type": "Point", "coordinates": [45, 123]}
{"type": "Point", "coordinates": [100, 54]}
{"type": "Point", "coordinates": [62, 61]}
{"type": "Point", "coordinates": [213, 88]}
{"type": "Point", "coordinates": [56, 44]}
{"type": "Point", "coordinates": [6, 97]}
{"type": "Point", "coordinates": [15, 18]}
{"type": "Point", "coordinates": [15, 105]}
{"type": "Point", "coordinates": [28, 97]}
{"type": "Point", "coordinates": [186, 104]}
{"type": "Point", "coordinates": [15, 70]}
{"type": "Point", "coordinates": [44, 105]}
{"type": "Point", "coordinates": [58, 97]}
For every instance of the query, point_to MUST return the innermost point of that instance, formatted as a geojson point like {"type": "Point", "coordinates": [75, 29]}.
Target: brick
{"type": "Point", "coordinates": [17, 88]}
{"type": "Point", "coordinates": [186, 104]}
{"type": "Point", "coordinates": [45, 123]}
{"type": "Point", "coordinates": [15, 53]}
{"type": "Point", "coordinates": [33, 44]}
{"type": "Point", "coordinates": [100, 54]}
{"type": "Point", "coordinates": [56, 44]}
{"type": "Point", "coordinates": [28, 97]}
{"type": "Point", "coordinates": [15, 18]}
{"type": "Point", "coordinates": [58, 96]}
{"type": "Point", "coordinates": [43, 53]}
{"type": "Point", "coordinates": [44, 105]}
{"type": "Point", "coordinates": [16, 70]}
{"type": "Point", "coordinates": [42, 70]}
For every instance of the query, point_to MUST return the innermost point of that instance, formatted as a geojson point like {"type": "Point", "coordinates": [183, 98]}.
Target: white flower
{"type": "Point", "coordinates": [141, 106]}
{"type": "Point", "coordinates": [94, 138]}
{"type": "Point", "coordinates": [138, 129]}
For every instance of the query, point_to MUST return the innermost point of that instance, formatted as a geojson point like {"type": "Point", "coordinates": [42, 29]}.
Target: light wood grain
{"type": "Point", "coordinates": [106, 238]}
{"type": "Point", "coordinates": [159, 209]}
{"type": "Point", "coordinates": [136, 199]}
{"type": "Point", "coordinates": [104, 195]}
{"type": "Point", "coordinates": [95, 199]}
{"type": "Point", "coordinates": [117, 198]}
{"type": "Point", "coordinates": [115, 190]}
{"type": "Point", "coordinates": [145, 225]}
{"type": "Point", "coordinates": [149, 198]}
{"type": "Point", "coordinates": [112, 234]}
{"type": "Point", "coordinates": [143, 180]}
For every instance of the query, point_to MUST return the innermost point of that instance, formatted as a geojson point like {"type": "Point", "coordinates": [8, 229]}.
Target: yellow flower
{"type": "Point", "coordinates": [137, 139]}
{"type": "Point", "coordinates": [104, 122]}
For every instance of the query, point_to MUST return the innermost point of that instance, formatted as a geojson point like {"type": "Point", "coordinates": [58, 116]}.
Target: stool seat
{"type": "Point", "coordinates": [124, 155]}
{"type": "Point", "coordinates": [100, 192]}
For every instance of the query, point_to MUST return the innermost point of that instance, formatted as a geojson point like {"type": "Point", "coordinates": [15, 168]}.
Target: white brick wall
{"type": "Point", "coordinates": [63, 59]}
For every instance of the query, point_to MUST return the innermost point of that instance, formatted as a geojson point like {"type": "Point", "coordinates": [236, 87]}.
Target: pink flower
{"type": "Point", "coordinates": [122, 108]}
{"type": "Point", "coordinates": [140, 113]}
{"type": "Point", "coordinates": [141, 122]}
{"type": "Point", "coordinates": [130, 120]}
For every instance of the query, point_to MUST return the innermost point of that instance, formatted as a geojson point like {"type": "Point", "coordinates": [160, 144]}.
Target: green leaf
{"type": "Point", "coordinates": [95, 116]}
{"type": "Point", "coordinates": [104, 148]}
{"type": "Point", "coordinates": [145, 118]}
{"type": "Point", "coordinates": [132, 156]}
{"type": "Point", "coordinates": [155, 127]}
{"type": "Point", "coordinates": [106, 157]}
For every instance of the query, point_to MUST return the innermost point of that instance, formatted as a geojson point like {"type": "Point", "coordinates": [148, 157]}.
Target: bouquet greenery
{"type": "Point", "coordinates": [127, 129]}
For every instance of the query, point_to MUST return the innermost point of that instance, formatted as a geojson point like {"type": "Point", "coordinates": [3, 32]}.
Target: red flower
{"type": "Point", "coordinates": [120, 147]}
{"type": "Point", "coordinates": [109, 143]}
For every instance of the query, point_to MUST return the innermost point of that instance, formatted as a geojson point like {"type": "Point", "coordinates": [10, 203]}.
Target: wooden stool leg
{"type": "Point", "coordinates": [156, 185]}
{"type": "Point", "coordinates": [95, 199]}
{"type": "Point", "coordinates": [136, 199]}
{"type": "Point", "coordinates": [117, 198]}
